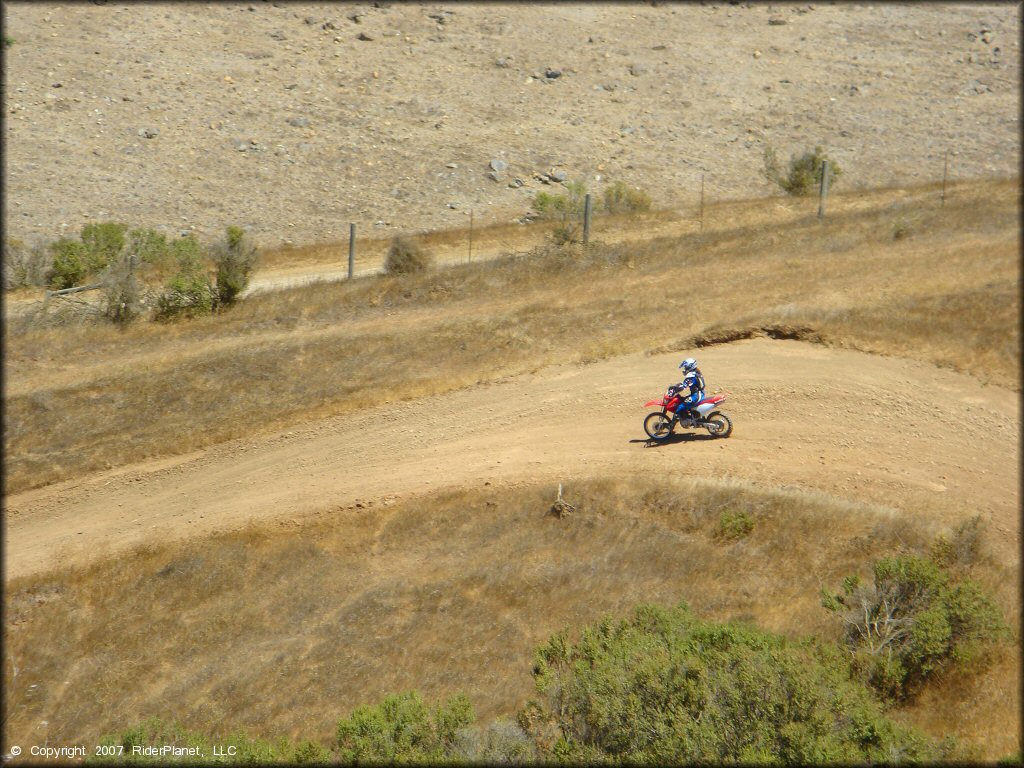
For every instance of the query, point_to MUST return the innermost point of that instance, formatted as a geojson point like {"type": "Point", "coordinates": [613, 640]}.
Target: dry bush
{"type": "Point", "coordinates": [325, 627]}
{"type": "Point", "coordinates": [804, 172]}
{"type": "Point", "coordinates": [234, 260]}
{"type": "Point", "coordinates": [406, 256]}
{"type": "Point", "coordinates": [24, 265]}
{"type": "Point", "coordinates": [621, 198]}
{"type": "Point", "coordinates": [122, 291]}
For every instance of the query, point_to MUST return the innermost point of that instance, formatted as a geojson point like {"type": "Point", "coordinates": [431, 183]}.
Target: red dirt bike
{"type": "Point", "coordinates": [704, 414]}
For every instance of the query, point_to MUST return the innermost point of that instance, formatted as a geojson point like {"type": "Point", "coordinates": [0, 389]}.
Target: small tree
{"type": "Point", "coordinates": [68, 268]}
{"type": "Point", "coordinates": [804, 172]}
{"type": "Point", "coordinates": [103, 242]}
{"type": "Point", "coordinates": [234, 260]}
{"type": "Point", "coordinates": [566, 208]}
{"type": "Point", "coordinates": [403, 729]}
{"type": "Point", "coordinates": [912, 621]}
{"type": "Point", "coordinates": [189, 293]}
{"type": "Point", "coordinates": [663, 687]}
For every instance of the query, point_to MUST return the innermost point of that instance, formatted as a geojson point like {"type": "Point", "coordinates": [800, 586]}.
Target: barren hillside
{"type": "Point", "coordinates": [294, 120]}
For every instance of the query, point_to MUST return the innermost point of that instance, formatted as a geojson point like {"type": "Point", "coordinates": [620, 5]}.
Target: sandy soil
{"type": "Point", "coordinates": [898, 433]}
{"type": "Point", "coordinates": [278, 117]}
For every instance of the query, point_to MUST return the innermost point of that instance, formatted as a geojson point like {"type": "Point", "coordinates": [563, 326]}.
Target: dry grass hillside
{"type": "Point", "coordinates": [280, 118]}
{"type": "Point", "coordinates": [283, 629]}
{"type": "Point", "coordinates": [896, 274]}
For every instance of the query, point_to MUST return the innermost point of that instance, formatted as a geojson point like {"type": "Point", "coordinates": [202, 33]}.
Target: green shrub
{"type": "Point", "coordinates": [237, 748]}
{"type": "Point", "coordinates": [68, 267]}
{"type": "Point", "coordinates": [911, 622]}
{"type": "Point", "coordinates": [234, 260]}
{"type": "Point", "coordinates": [501, 743]}
{"type": "Point", "coordinates": [561, 206]}
{"type": "Point", "coordinates": [148, 245]}
{"type": "Point", "coordinates": [402, 729]}
{"type": "Point", "coordinates": [804, 173]}
{"type": "Point", "coordinates": [309, 752]}
{"type": "Point", "coordinates": [734, 524]}
{"type": "Point", "coordinates": [406, 256]}
{"type": "Point", "coordinates": [900, 229]}
{"type": "Point", "coordinates": [103, 242]}
{"type": "Point", "coordinates": [663, 687]}
{"type": "Point", "coordinates": [620, 198]}
{"type": "Point", "coordinates": [189, 293]}
{"type": "Point", "coordinates": [567, 209]}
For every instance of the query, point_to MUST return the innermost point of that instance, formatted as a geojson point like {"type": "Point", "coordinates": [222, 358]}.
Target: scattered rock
{"type": "Point", "coordinates": [355, 18]}
{"type": "Point", "coordinates": [493, 176]}
{"type": "Point", "coordinates": [979, 87]}
{"type": "Point", "coordinates": [310, 20]}
{"type": "Point", "coordinates": [453, 205]}
{"type": "Point", "coordinates": [451, 165]}
{"type": "Point", "coordinates": [277, 34]}
{"type": "Point", "coordinates": [558, 175]}
{"type": "Point", "coordinates": [149, 133]}
{"type": "Point", "coordinates": [298, 122]}
{"type": "Point", "coordinates": [516, 183]}
{"type": "Point", "coordinates": [363, 36]}
{"type": "Point", "coordinates": [328, 25]}
{"type": "Point", "coordinates": [58, 85]}
{"type": "Point", "coordinates": [552, 74]}
{"type": "Point", "coordinates": [504, 62]}
{"type": "Point", "coordinates": [777, 21]}
{"type": "Point", "coordinates": [637, 69]}
{"type": "Point", "coordinates": [498, 165]}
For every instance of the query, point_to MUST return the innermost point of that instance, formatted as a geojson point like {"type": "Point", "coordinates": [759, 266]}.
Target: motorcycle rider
{"type": "Point", "coordinates": [693, 381]}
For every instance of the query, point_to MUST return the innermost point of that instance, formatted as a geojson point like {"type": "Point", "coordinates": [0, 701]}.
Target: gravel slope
{"type": "Point", "coordinates": [278, 117]}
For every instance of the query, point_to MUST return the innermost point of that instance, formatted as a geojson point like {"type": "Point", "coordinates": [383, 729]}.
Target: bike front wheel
{"type": "Point", "coordinates": [658, 426]}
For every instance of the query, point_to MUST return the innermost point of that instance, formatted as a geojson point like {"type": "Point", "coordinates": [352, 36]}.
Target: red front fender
{"type": "Point", "coordinates": [659, 403]}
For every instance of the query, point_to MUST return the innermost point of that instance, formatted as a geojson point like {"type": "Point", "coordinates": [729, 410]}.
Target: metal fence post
{"type": "Point", "coordinates": [470, 235]}
{"type": "Point", "coordinates": [945, 169]}
{"type": "Point", "coordinates": [351, 249]}
{"type": "Point", "coordinates": [702, 202]}
{"type": "Point", "coordinates": [586, 219]}
{"type": "Point", "coordinates": [824, 189]}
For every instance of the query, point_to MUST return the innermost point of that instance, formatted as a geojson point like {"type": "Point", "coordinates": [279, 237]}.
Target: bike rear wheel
{"type": "Point", "coordinates": [718, 424]}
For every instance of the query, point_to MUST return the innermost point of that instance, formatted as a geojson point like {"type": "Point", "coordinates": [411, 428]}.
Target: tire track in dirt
{"type": "Point", "coordinates": [899, 433]}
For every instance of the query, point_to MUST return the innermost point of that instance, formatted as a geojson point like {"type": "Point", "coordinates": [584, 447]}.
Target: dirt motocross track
{"type": "Point", "coordinates": [897, 433]}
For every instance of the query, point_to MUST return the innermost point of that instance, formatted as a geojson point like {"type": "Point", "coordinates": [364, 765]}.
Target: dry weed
{"type": "Point", "coordinates": [443, 593]}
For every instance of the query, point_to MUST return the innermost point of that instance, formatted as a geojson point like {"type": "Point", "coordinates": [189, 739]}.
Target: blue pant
{"type": "Point", "coordinates": [689, 402]}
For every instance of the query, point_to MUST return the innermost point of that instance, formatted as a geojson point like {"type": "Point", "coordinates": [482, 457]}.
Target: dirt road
{"type": "Point", "coordinates": [892, 432]}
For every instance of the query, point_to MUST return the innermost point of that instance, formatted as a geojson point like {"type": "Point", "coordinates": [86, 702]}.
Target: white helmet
{"type": "Point", "coordinates": [688, 365]}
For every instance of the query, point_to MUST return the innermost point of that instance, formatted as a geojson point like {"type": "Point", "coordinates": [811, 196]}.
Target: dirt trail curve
{"type": "Point", "coordinates": [903, 434]}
